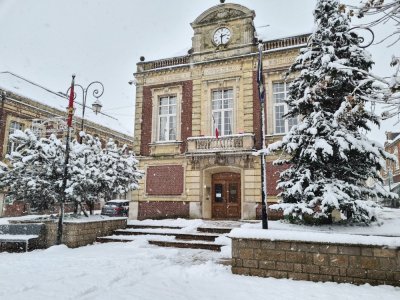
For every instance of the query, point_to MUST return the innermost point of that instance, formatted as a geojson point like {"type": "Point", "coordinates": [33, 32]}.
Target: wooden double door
{"type": "Point", "coordinates": [226, 196]}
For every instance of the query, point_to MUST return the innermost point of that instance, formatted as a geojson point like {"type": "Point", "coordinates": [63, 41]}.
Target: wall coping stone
{"type": "Point", "coordinates": [315, 237]}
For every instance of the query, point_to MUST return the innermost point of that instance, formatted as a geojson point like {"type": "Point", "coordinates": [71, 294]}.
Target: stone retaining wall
{"type": "Point", "coordinates": [316, 261]}
{"type": "Point", "coordinates": [77, 234]}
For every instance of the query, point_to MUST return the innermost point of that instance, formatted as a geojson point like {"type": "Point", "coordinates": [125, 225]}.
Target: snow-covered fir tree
{"type": "Point", "coordinates": [329, 156]}
{"type": "Point", "coordinates": [36, 170]}
{"type": "Point", "coordinates": [117, 170]}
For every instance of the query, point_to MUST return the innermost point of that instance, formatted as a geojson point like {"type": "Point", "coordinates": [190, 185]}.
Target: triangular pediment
{"type": "Point", "coordinates": [222, 13]}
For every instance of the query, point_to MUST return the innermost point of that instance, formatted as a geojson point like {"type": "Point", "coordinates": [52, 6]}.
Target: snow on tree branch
{"type": "Point", "coordinates": [35, 173]}
{"type": "Point", "coordinates": [329, 158]}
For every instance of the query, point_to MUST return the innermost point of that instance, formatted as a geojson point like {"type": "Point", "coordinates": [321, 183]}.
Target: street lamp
{"type": "Point", "coordinates": [2, 127]}
{"type": "Point", "coordinates": [97, 90]}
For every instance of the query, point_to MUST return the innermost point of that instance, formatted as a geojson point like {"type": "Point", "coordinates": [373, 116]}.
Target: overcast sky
{"type": "Point", "coordinates": [48, 40]}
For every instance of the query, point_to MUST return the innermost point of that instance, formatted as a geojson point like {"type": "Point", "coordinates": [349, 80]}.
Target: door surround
{"type": "Point", "coordinates": [207, 187]}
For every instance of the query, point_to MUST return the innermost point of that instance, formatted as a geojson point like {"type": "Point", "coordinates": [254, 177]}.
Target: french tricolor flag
{"type": "Point", "coordinates": [216, 128]}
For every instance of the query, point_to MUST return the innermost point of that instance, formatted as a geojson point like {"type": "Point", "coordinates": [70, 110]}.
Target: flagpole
{"type": "Point", "coordinates": [261, 94]}
{"type": "Point", "coordinates": [64, 183]}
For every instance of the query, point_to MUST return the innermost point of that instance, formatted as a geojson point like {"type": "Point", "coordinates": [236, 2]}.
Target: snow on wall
{"type": "Point", "coordinates": [281, 235]}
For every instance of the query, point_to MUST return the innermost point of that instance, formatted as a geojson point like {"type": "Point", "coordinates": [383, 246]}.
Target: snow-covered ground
{"type": "Point", "coordinates": [137, 270]}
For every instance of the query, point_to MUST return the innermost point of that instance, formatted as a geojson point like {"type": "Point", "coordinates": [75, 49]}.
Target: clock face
{"type": "Point", "coordinates": [222, 36]}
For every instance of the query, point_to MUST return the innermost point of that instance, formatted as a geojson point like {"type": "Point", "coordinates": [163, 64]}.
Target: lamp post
{"type": "Point", "coordinates": [97, 90]}
{"type": "Point", "coordinates": [261, 95]}
{"type": "Point", "coordinates": [2, 127]}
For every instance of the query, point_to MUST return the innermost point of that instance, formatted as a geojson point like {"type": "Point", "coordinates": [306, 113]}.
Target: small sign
{"type": "Point", "coordinates": [218, 195]}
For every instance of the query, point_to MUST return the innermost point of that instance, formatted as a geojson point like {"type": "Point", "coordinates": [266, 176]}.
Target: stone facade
{"type": "Point", "coordinates": [192, 80]}
{"type": "Point", "coordinates": [313, 261]}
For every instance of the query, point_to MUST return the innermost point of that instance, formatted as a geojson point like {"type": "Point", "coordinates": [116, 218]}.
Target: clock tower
{"type": "Point", "coordinates": [222, 31]}
{"type": "Point", "coordinates": [198, 120]}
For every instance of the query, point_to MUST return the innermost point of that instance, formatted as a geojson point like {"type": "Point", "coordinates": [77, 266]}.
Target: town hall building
{"type": "Point", "coordinates": [181, 101]}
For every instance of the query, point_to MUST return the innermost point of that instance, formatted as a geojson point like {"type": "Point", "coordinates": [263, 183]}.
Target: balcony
{"type": "Point", "coordinates": [230, 143]}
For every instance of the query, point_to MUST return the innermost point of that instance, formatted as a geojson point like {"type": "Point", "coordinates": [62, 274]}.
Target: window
{"type": "Point", "coordinates": [167, 118]}
{"type": "Point", "coordinates": [279, 95]}
{"type": "Point", "coordinates": [14, 126]}
{"type": "Point", "coordinates": [396, 153]}
{"type": "Point", "coordinates": [222, 111]}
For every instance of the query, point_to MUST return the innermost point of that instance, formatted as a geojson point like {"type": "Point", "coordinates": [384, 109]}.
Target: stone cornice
{"type": "Point", "coordinates": [169, 64]}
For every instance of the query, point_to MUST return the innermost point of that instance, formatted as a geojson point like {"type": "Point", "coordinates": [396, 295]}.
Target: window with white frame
{"type": "Point", "coordinates": [279, 94]}
{"type": "Point", "coordinates": [167, 118]}
{"type": "Point", "coordinates": [396, 153]}
{"type": "Point", "coordinates": [14, 126]}
{"type": "Point", "coordinates": [222, 111]}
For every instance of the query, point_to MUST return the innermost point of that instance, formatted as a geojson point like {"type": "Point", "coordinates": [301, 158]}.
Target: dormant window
{"type": "Point", "coordinates": [167, 118]}
{"type": "Point", "coordinates": [222, 111]}
{"type": "Point", "coordinates": [282, 125]}
{"type": "Point", "coordinates": [14, 126]}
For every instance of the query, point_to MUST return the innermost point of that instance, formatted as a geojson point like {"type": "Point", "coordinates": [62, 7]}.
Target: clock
{"type": "Point", "coordinates": [222, 36]}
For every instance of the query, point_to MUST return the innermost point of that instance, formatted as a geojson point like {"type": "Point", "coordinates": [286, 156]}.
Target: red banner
{"type": "Point", "coordinates": [71, 102]}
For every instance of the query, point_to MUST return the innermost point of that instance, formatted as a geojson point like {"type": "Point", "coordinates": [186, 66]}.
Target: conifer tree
{"type": "Point", "coordinates": [35, 171]}
{"type": "Point", "coordinates": [329, 156]}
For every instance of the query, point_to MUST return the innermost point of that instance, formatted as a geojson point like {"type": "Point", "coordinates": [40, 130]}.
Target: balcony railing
{"type": "Point", "coordinates": [229, 143]}
{"type": "Point", "coordinates": [162, 63]}
{"type": "Point", "coordinates": [286, 42]}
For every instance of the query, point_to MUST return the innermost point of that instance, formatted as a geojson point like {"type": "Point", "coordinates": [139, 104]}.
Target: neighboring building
{"type": "Point", "coordinates": [392, 174]}
{"type": "Point", "coordinates": [181, 100]}
{"type": "Point", "coordinates": [27, 105]}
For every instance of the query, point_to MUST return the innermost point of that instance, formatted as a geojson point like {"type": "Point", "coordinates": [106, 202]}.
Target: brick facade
{"type": "Point", "coordinates": [273, 172]}
{"type": "Point", "coordinates": [272, 214]}
{"type": "Point", "coordinates": [20, 208]}
{"type": "Point", "coordinates": [165, 180]}
{"type": "Point", "coordinates": [163, 209]}
{"type": "Point", "coordinates": [313, 261]}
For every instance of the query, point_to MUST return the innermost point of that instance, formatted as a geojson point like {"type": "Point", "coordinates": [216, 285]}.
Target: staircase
{"type": "Point", "coordinates": [21, 237]}
{"type": "Point", "coordinates": [171, 236]}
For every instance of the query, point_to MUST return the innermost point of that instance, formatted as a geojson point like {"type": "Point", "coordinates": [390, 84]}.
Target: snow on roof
{"type": "Point", "coordinates": [283, 235]}
{"type": "Point", "coordinates": [391, 142]}
{"type": "Point", "coordinates": [18, 85]}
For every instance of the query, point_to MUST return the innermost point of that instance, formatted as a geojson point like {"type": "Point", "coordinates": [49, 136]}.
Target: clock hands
{"type": "Point", "coordinates": [222, 35]}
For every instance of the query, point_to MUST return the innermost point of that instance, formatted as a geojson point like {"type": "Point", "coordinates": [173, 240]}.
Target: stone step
{"type": "Point", "coordinates": [178, 235]}
{"type": "Point", "coordinates": [112, 240]}
{"type": "Point", "coordinates": [13, 246]}
{"type": "Point", "coordinates": [163, 241]}
{"type": "Point", "coordinates": [219, 230]}
{"type": "Point", "coordinates": [187, 244]}
{"type": "Point", "coordinates": [18, 243]}
{"type": "Point", "coordinates": [137, 226]}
